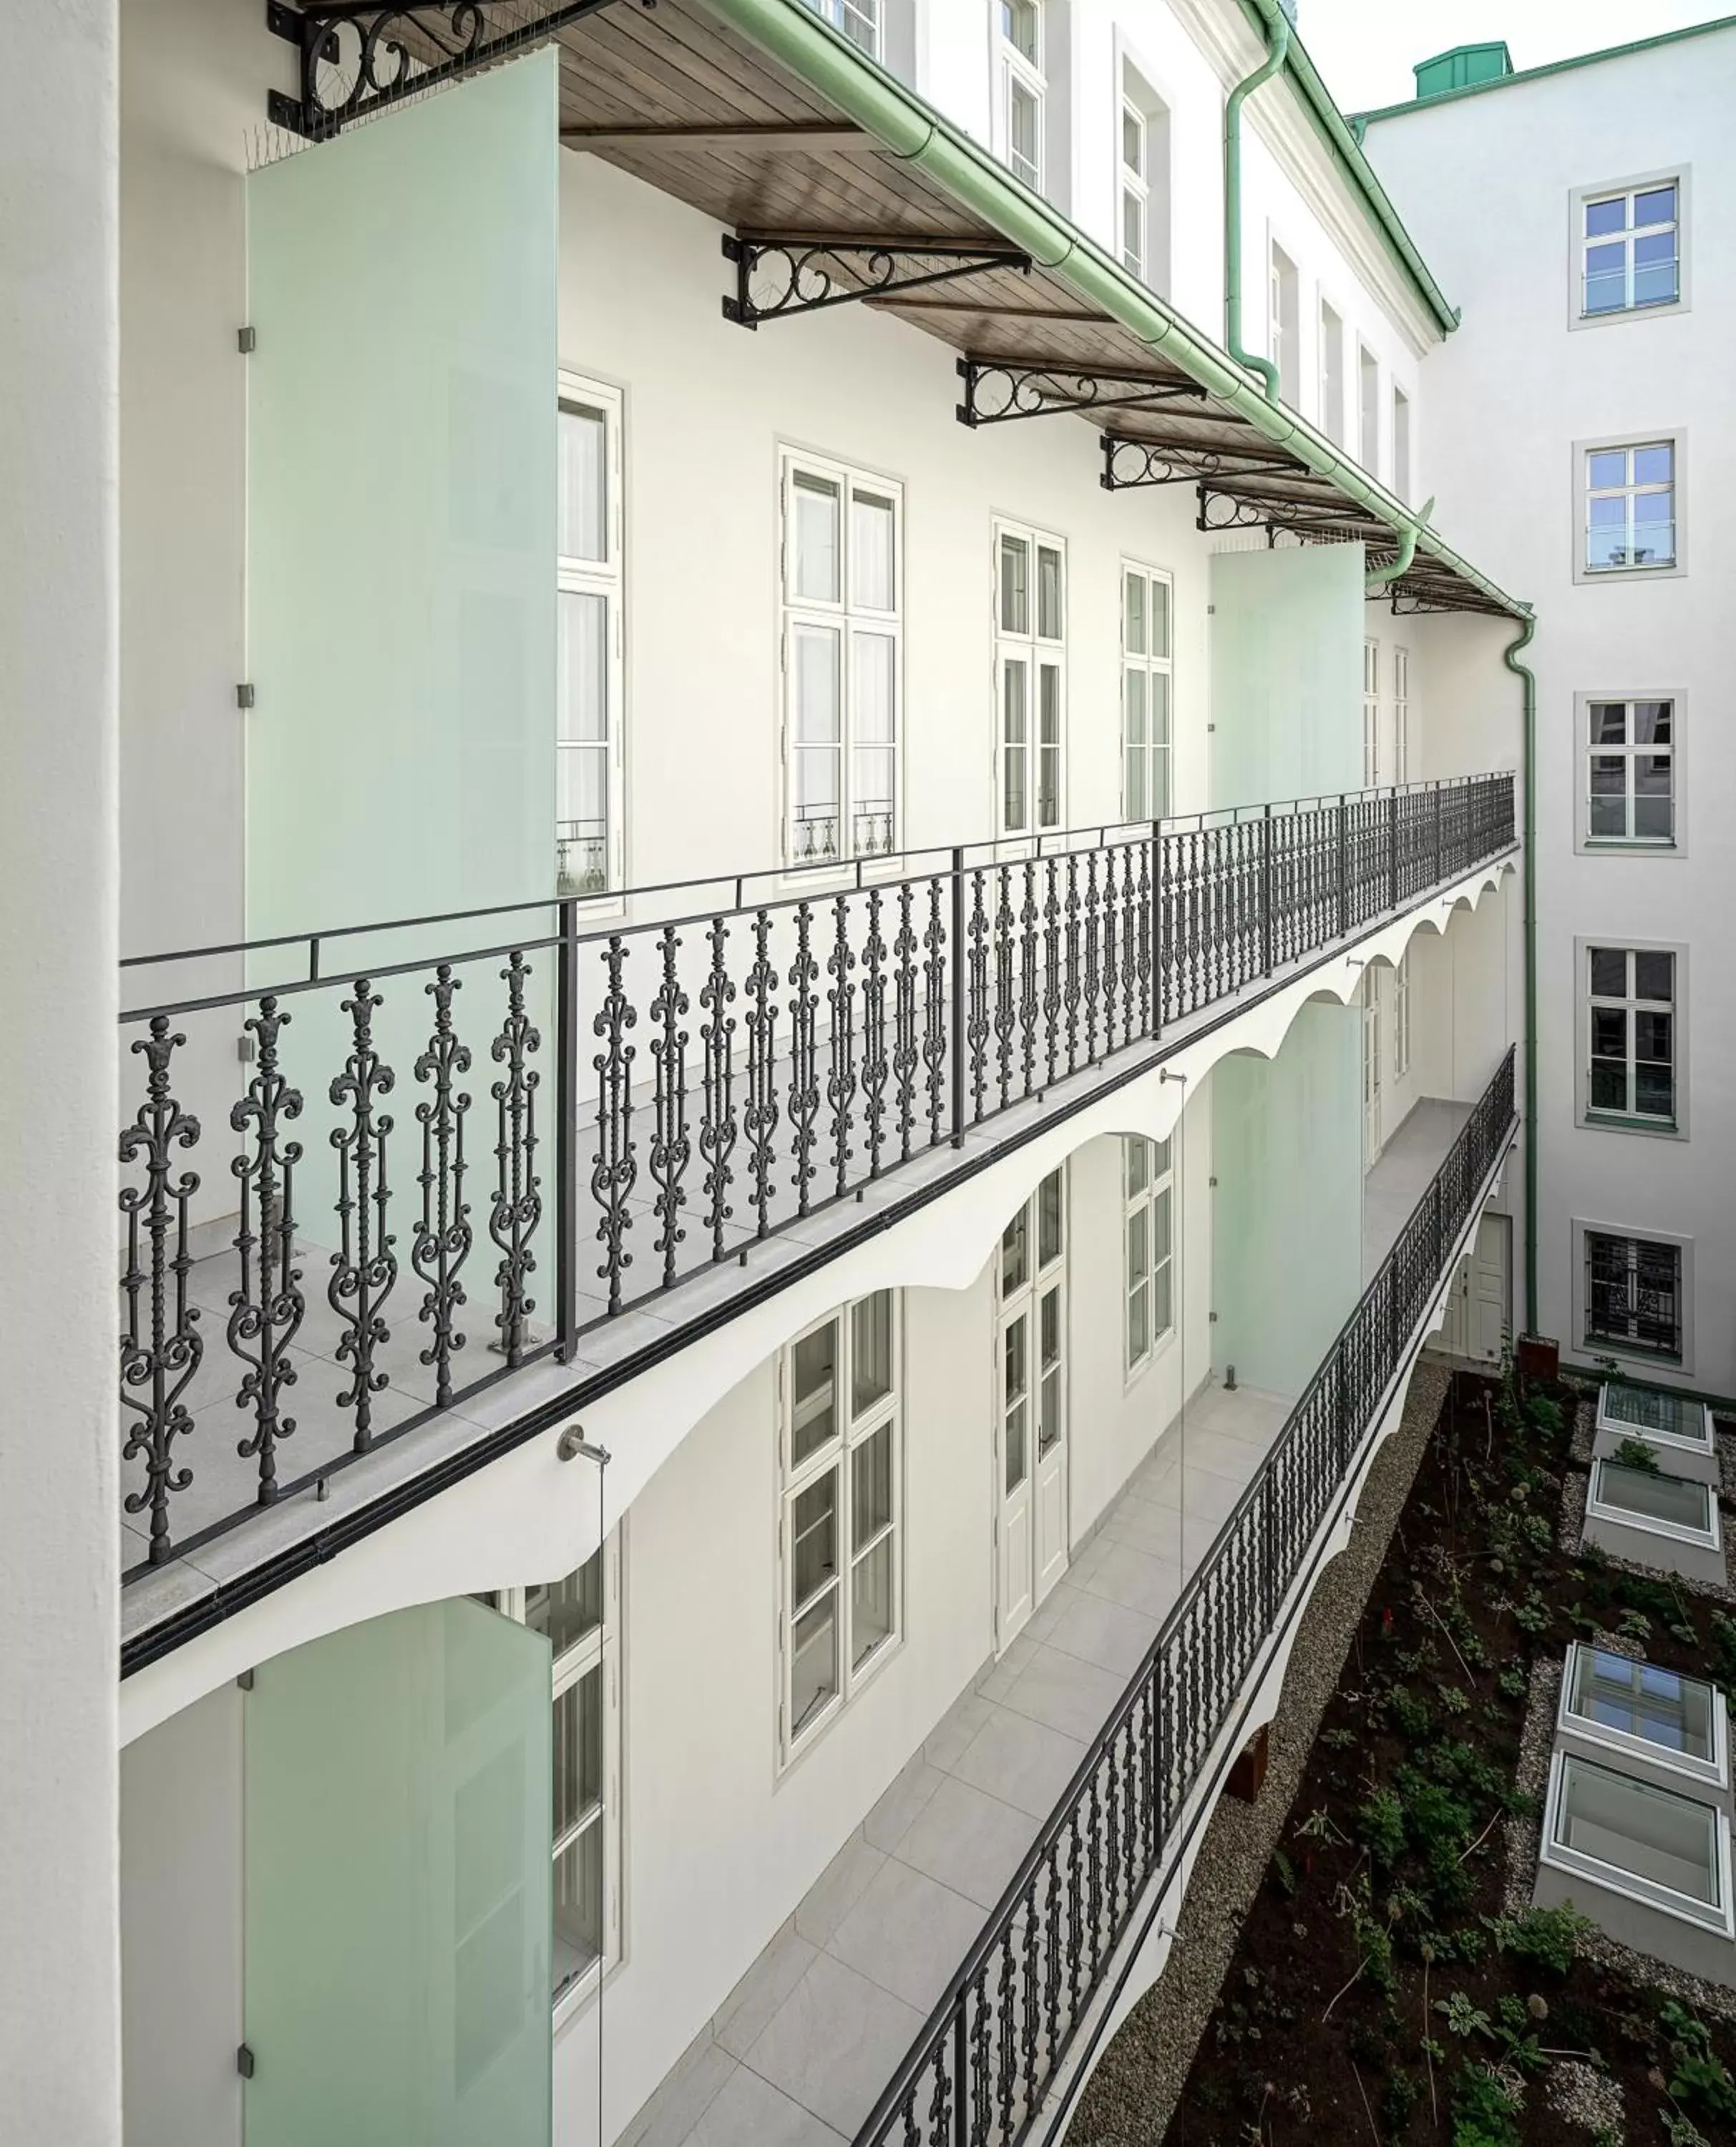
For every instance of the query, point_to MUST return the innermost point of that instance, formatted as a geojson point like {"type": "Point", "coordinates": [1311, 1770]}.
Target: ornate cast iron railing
{"type": "Point", "coordinates": [668, 1080]}
{"type": "Point", "coordinates": [994, 2044]}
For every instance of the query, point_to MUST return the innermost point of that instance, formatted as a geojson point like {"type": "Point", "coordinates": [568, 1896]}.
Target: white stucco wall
{"type": "Point", "coordinates": [59, 1963]}
{"type": "Point", "coordinates": [1510, 394]}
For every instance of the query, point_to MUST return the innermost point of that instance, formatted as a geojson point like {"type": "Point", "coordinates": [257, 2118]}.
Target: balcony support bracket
{"type": "Point", "coordinates": [1130, 464]}
{"type": "Point", "coordinates": [780, 274]}
{"type": "Point", "coordinates": [1000, 390]}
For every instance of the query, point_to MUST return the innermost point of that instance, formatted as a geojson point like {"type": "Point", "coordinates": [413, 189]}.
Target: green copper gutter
{"type": "Point", "coordinates": [1510, 657]}
{"type": "Point", "coordinates": [1382, 578]}
{"type": "Point", "coordinates": [1346, 148]}
{"type": "Point", "coordinates": [1270, 66]}
{"type": "Point", "coordinates": [794, 35]}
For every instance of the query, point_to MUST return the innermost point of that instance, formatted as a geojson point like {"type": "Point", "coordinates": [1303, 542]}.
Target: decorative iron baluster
{"type": "Point", "coordinates": [614, 1161]}
{"type": "Point", "coordinates": [161, 1345]}
{"type": "Point", "coordinates": [517, 1209]}
{"type": "Point", "coordinates": [976, 1025]}
{"type": "Point", "coordinates": [1006, 2015]}
{"type": "Point", "coordinates": [1132, 918]}
{"type": "Point", "coordinates": [804, 1088]}
{"type": "Point", "coordinates": [875, 1064]}
{"type": "Point", "coordinates": [975, 1998]}
{"type": "Point", "coordinates": [1052, 969]}
{"type": "Point", "coordinates": [1111, 951]}
{"type": "Point", "coordinates": [268, 1314]}
{"type": "Point", "coordinates": [841, 1075]}
{"type": "Point", "coordinates": [905, 1058]}
{"type": "Point", "coordinates": [672, 1150]}
{"type": "Point", "coordinates": [1027, 999]}
{"type": "Point", "coordinates": [1070, 993]}
{"type": "Point", "coordinates": [364, 1268]}
{"type": "Point", "coordinates": [1006, 1014]}
{"type": "Point", "coordinates": [1144, 951]}
{"type": "Point", "coordinates": [1093, 964]}
{"type": "Point", "coordinates": [759, 1121]}
{"type": "Point", "coordinates": [936, 1043]}
{"type": "Point", "coordinates": [716, 1125]}
{"type": "Point", "coordinates": [442, 1238]}
{"type": "Point", "coordinates": [1052, 1918]}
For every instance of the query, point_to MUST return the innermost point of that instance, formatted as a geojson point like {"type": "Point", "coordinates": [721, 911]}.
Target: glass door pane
{"type": "Point", "coordinates": [1015, 1349]}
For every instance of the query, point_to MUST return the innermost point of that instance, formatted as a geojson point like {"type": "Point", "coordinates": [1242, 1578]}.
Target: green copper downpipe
{"type": "Point", "coordinates": [1380, 578]}
{"type": "Point", "coordinates": [1278, 36]}
{"type": "Point", "coordinates": [1510, 657]}
{"type": "Point", "coordinates": [795, 37]}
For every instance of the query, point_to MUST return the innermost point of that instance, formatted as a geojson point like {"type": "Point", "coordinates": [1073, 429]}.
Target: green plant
{"type": "Point", "coordinates": [1514, 1682]}
{"type": "Point", "coordinates": [1482, 2109]}
{"type": "Point", "coordinates": [1705, 2085]}
{"type": "Point", "coordinates": [1403, 2094]}
{"type": "Point", "coordinates": [1723, 1649]}
{"type": "Point", "coordinates": [1462, 2016]}
{"type": "Point", "coordinates": [1380, 1822]}
{"type": "Point", "coordinates": [1283, 1871]}
{"type": "Point", "coordinates": [1634, 1625]}
{"type": "Point", "coordinates": [1547, 1414]}
{"type": "Point", "coordinates": [1517, 2037]}
{"type": "Point", "coordinates": [1635, 1453]}
{"type": "Point", "coordinates": [1452, 1700]}
{"type": "Point", "coordinates": [1548, 1937]}
{"type": "Point", "coordinates": [1319, 1826]}
{"type": "Point", "coordinates": [1532, 1616]}
{"type": "Point", "coordinates": [1411, 1717]}
{"type": "Point", "coordinates": [1682, 2131]}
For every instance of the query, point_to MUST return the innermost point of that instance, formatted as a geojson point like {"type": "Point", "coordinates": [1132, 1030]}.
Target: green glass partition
{"type": "Point", "coordinates": [1288, 1220]}
{"type": "Point", "coordinates": [397, 1886]}
{"type": "Point", "coordinates": [1286, 657]}
{"type": "Point", "coordinates": [401, 511]}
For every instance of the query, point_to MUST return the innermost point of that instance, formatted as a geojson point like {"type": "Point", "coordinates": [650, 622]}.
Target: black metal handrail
{"type": "Point", "coordinates": [995, 2042]}
{"type": "Point", "coordinates": [838, 1034]}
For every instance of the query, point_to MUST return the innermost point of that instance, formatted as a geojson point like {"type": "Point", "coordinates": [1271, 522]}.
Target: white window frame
{"type": "Point", "coordinates": [1582, 198]}
{"type": "Point", "coordinates": [860, 834]}
{"type": "Point", "coordinates": [849, 1436]}
{"type": "Point", "coordinates": [1330, 343]}
{"type": "Point", "coordinates": [1368, 409]}
{"type": "Point", "coordinates": [857, 20]}
{"type": "Point", "coordinates": [1145, 1198]}
{"type": "Point", "coordinates": [1401, 714]}
{"type": "Point", "coordinates": [1401, 441]}
{"type": "Point", "coordinates": [1600, 1506]}
{"type": "Point", "coordinates": [1158, 753]}
{"type": "Point", "coordinates": [1629, 444]}
{"type": "Point", "coordinates": [1014, 69]}
{"type": "Point", "coordinates": [1619, 1427]}
{"type": "Point", "coordinates": [1283, 319]}
{"type": "Point", "coordinates": [597, 1652]}
{"type": "Point", "coordinates": [1135, 189]}
{"type": "Point", "coordinates": [1680, 1361]}
{"type": "Point", "coordinates": [605, 578]}
{"type": "Point", "coordinates": [1603, 1117]}
{"type": "Point", "coordinates": [1675, 844]}
{"type": "Point", "coordinates": [1401, 1016]}
{"type": "Point", "coordinates": [1651, 1893]}
{"type": "Point", "coordinates": [1371, 713]}
{"type": "Point", "coordinates": [1714, 1768]}
{"type": "Point", "coordinates": [1036, 652]}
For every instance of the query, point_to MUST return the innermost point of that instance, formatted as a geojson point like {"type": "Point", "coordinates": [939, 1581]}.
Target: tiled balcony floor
{"type": "Point", "coordinates": [1401, 1172]}
{"type": "Point", "coordinates": [805, 2044]}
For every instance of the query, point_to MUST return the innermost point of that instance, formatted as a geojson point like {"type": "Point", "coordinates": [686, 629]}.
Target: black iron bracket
{"type": "Point", "coordinates": [999, 390]}
{"type": "Point", "coordinates": [1320, 521]}
{"type": "Point", "coordinates": [777, 277]}
{"type": "Point", "coordinates": [357, 60]}
{"type": "Point", "coordinates": [1129, 463]}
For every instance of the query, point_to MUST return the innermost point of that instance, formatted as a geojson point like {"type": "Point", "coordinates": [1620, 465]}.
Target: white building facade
{"type": "Point", "coordinates": [822, 984]}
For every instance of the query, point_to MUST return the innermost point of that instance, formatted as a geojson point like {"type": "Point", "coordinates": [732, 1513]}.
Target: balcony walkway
{"type": "Point", "coordinates": [802, 2048]}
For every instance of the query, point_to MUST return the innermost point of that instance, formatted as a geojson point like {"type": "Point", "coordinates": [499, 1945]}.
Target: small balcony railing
{"type": "Point", "coordinates": [656, 1092]}
{"type": "Point", "coordinates": [994, 2044]}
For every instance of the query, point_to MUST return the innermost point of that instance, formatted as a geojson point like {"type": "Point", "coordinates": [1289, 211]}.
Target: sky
{"type": "Point", "coordinates": [1365, 49]}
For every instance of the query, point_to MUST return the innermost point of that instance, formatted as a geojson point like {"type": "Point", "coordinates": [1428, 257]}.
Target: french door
{"type": "Point", "coordinates": [1372, 1135]}
{"type": "Point", "coordinates": [1030, 1456]}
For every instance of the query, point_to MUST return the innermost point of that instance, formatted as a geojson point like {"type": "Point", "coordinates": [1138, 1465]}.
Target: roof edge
{"type": "Point", "coordinates": [1359, 120]}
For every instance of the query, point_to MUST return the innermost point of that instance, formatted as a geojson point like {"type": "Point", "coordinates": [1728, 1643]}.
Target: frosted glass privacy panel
{"type": "Point", "coordinates": [1286, 663]}
{"type": "Point", "coordinates": [403, 460]}
{"type": "Point", "coordinates": [398, 1885]}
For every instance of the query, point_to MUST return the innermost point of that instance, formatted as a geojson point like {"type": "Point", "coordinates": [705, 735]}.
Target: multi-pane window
{"type": "Point", "coordinates": [589, 595]}
{"type": "Point", "coordinates": [580, 1617]}
{"type": "Point", "coordinates": [1145, 672]}
{"type": "Point", "coordinates": [1030, 620]}
{"type": "Point", "coordinates": [1631, 772]}
{"type": "Point", "coordinates": [1634, 1294]}
{"type": "Point", "coordinates": [1020, 86]}
{"type": "Point", "coordinates": [1630, 250]}
{"type": "Point", "coordinates": [859, 19]}
{"type": "Point", "coordinates": [1401, 715]}
{"type": "Point", "coordinates": [843, 571]}
{"type": "Point", "coordinates": [1401, 442]}
{"type": "Point", "coordinates": [1285, 327]}
{"type": "Point", "coordinates": [1149, 1240]}
{"type": "Point", "coordinates": [1401, 1017]}
{"type": "Point", "coordinates": [1630, 507]}
{"type": "Point", "coordinates": [1135, 191]}
{"type": "Point", "coordinates": [1631, 1033]}
{"type": "Point", "coordinates": [1367, 393]}
{"type": "Point", "coordinates": [1371, 715]}
{"type": "Point", "coordinates": [839, 1604]}
{"type": "Point", "coordinates": [1331, 374]}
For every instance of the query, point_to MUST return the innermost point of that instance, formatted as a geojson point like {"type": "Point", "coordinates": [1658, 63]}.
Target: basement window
{"type": "Point", "coordinates": [1635, 1706]}
{"type": "Point", "coordinates": [1660, 1418]}
{"type": "Point", "coordinates": [1654, 1845]}
{"type": "Point", "coordinates": [1662, 1505]}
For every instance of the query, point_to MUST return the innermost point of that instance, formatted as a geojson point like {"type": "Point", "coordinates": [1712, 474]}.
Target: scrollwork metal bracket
{"type": "Point", "coordinates": [1000, 390]}
{"type": "Point", "coordinates": [1130, 463]}
{"type": "Point", "coordinates": [796, 275]}
{"type": "Point", "coordinates": [357, 60]}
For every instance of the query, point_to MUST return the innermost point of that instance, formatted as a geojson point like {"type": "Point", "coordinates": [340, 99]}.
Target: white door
{"type": "Point", "coordinates": [1371, 1068]}
{"type": "Point", "coordinates": [1030, 1460]}
{"type": "Point", "coordinates": [1486, 1296]}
